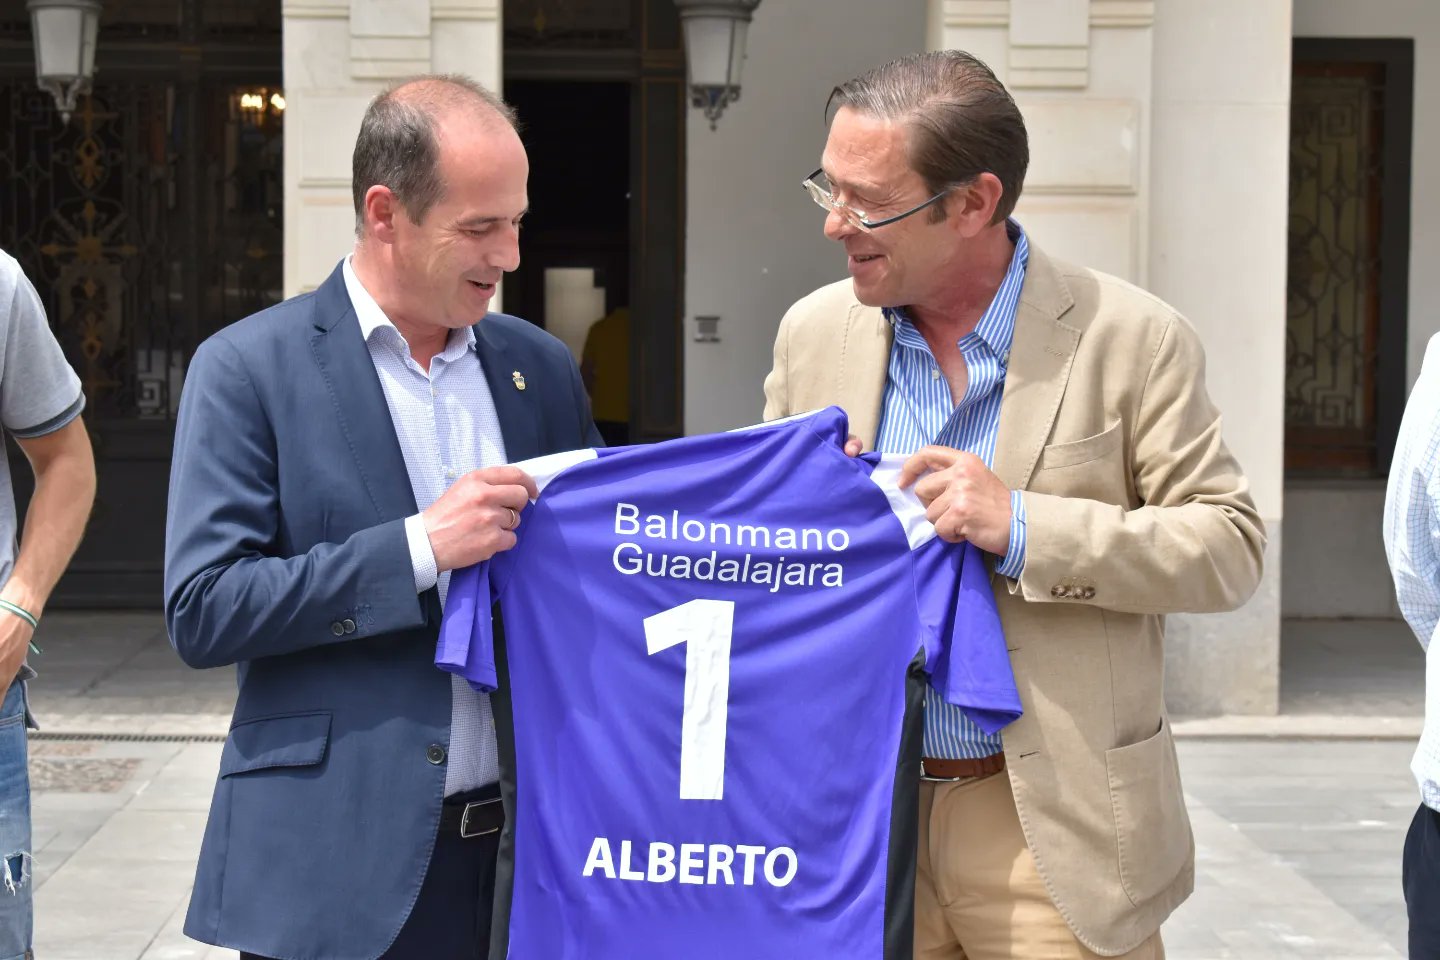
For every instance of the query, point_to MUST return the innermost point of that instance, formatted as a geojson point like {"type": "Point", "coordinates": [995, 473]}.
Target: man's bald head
{"type": "Point", "coordinates": [398, 148]}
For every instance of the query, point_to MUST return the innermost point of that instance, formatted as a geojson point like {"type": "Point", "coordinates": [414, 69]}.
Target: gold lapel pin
{"type": "Point", "coordinates": [519, 379]}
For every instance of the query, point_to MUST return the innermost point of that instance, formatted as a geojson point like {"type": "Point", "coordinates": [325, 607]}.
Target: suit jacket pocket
{"type": "Point", "coordinates": [1080, 451]}
{"type": "Point", "coordinates": [1151, 824]}
{"type": "Point", "coordinates": [291, 740]}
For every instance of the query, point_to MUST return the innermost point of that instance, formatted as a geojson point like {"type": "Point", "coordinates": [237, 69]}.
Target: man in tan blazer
{"type": "Point", "coordinates": [1058, 419]}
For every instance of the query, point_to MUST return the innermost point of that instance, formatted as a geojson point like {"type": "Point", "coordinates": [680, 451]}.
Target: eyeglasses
{"type": "Point", "coordinates": [823, 192]}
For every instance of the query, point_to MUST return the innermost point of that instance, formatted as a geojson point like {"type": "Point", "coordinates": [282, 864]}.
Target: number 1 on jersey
{"type": "Point", "coordinates": [705, 627]}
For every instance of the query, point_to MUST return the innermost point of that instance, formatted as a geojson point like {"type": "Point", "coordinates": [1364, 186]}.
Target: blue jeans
{"type": "Point", "coordinates": [16, 920]}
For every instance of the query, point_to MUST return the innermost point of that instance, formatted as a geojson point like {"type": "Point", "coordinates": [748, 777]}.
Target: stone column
{"type": "Point", "coordinates": [1080, 71]}
{"type": "Point", "coordinates": [1219, 209]}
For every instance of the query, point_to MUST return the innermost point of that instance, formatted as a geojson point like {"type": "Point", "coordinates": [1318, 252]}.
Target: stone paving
{"type": "Point", "coordinates": [1298, 835]}
{"type": "Point", "coordinates": [1298, 850]}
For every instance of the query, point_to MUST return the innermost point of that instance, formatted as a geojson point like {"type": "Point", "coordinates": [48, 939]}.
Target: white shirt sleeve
{"type": "Point", "coordinates": [422, 555]}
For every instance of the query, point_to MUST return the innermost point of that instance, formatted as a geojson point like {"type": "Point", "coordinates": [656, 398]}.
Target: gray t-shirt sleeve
{"type": "Point", "coordinates": [39, 392]}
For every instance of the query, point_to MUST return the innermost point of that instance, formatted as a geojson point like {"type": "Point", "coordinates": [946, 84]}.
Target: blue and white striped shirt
{"type": "Point", "coordinates": [1412, 544]}
{"type": "Point", "coordinates": [919, 410]}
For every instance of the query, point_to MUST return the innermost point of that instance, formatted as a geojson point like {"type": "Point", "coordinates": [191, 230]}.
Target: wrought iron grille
{"type": "Point", "coordinates": [1333, 309]}
{"type": "Point", "coordinates": [96, 214]}
{"type": "Point", "coordinates": [87, 218]}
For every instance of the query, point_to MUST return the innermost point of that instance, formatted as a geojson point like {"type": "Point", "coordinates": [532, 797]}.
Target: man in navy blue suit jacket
{"type": "Point", "coordinates": [335, 457]}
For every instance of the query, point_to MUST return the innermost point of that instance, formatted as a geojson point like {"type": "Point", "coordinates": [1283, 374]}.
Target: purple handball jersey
{"type": "Point", "coordinates": [715, 651]}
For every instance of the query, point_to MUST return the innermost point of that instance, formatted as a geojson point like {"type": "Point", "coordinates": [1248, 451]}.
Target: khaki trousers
{"type": "Point", "coordinates": [978, 895]}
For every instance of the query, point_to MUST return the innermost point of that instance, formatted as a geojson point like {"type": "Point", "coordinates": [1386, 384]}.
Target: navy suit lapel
{"type": "Point", "coordinates": [506, 371]}
{"type": "Point", "coordinates": [359, 401]}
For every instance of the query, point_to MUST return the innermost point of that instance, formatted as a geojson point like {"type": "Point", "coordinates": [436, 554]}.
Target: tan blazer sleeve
{"type": "Point", "coordinates": [1195, 543]}
{"type": "Point", "coordinates": [777, 381]}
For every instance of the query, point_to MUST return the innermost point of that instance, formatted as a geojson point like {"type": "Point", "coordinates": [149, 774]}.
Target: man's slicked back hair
{"type": "Point", "coordinates": [961, 121]}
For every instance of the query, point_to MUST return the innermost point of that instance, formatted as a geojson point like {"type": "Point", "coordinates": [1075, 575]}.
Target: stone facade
{"type": "Point", "coordinates": [1159, 135]}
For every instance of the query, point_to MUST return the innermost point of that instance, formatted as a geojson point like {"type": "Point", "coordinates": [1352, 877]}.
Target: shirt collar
{"type": "Point", "coordinates": [997, 326]}
{"type": "Point", "coordinates": [372, 317]}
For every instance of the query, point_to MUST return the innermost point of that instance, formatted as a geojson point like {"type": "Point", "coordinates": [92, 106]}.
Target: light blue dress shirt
{"type": "Point", "coordinates": [1412, 543]}
{"type": "Point", "coordinates": [447, 426]}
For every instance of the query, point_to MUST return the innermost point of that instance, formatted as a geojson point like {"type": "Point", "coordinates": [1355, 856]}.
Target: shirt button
{"type": "Point", "coordinates": [435, 754]}
{"type": "Point", "coordinates": [934, 373]}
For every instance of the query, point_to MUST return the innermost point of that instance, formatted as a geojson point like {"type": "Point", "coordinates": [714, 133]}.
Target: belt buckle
{"type": "Point", "coordinates": [929, 779]}
{"type": "Point", "coordinates": [465, 831]}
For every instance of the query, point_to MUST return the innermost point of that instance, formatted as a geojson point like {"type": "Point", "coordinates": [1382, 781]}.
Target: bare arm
{"type": "Point", "coordinates": [64, 467]}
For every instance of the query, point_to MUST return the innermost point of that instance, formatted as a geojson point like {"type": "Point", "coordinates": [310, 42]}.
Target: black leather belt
{"type": "Point", "coordinates": [472, 818]}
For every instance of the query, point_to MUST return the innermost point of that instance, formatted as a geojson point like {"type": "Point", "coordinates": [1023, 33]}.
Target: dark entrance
{"type": "Point", "coordinates": [148, 222]}
{"type": "Point", "coordinates": [600, 90]}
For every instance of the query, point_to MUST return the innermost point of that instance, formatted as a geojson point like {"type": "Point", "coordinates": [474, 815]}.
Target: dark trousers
{"type": "Point", "coordinates": [1422, 884]}
{"type": "Point", "coordinates": [451, 917]}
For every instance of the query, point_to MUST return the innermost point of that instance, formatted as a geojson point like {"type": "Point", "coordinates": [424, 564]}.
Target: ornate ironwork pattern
{"type": "Point", "coordinates": [150, 221]}
{"type": "Point", "coordinates": [94, 213]}
{"type": "Point", "coordinates": [79, 222]}
{"type": "Point", "coordinates": [1333, 317]}
{"type": "Point", "coordinates": [570, 24]}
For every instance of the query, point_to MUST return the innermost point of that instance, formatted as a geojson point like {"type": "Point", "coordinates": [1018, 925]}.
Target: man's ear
{"type": "Point", "coordinates": [381, 210]}
{"type": "Point", "coordinates": [973, 205]}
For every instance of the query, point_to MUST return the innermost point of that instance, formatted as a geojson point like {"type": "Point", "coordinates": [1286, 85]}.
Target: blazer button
{"type": "Point", "coordinates": [435, 754]}
{"type": "Point", "coordinates": [1089, 593]}
{"type": "Point", "coordinates": [1059, 591]}
{"type": "Point", "coordinates": [337, 628]}
{"type": "Point", "coordinates": [349, 626]}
